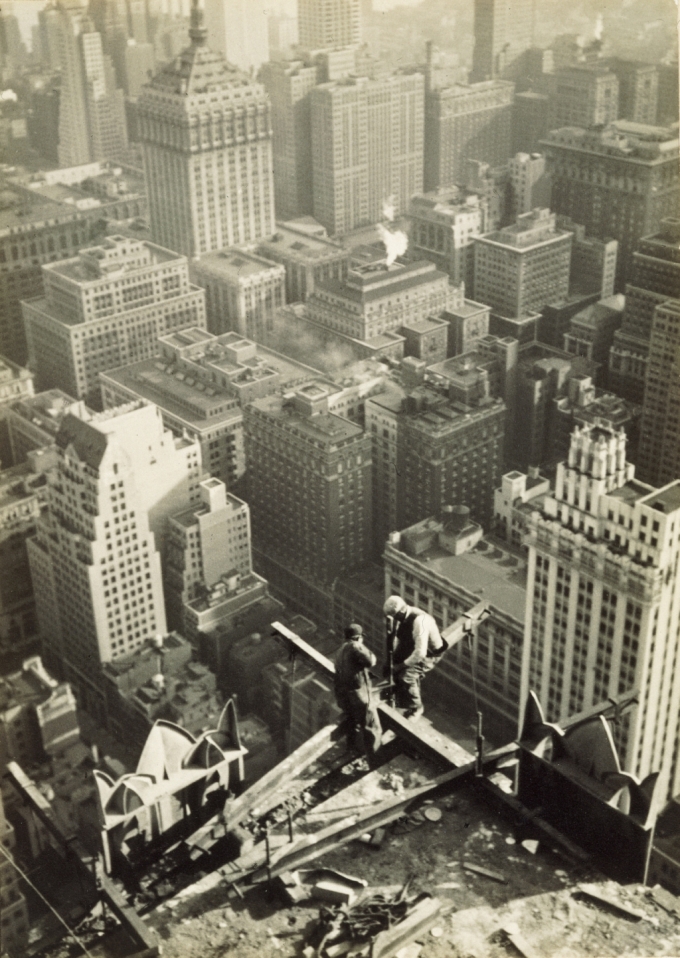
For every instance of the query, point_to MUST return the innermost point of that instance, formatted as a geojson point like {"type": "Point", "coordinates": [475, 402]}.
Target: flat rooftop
{"type": "Point", "coordinates": [301, 242]}
{"type": "Point", "coordinates": [494, 574]}
{"type": "Point", "coordinates": [666, 499]}
{"type": "Point", "coordinates": [319, 427]}
{"type": "Point", "coordinates": [631, 492]}
{"type": "Point", "coordinates": [235, 265]}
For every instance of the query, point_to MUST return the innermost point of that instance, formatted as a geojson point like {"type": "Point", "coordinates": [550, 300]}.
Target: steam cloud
{"type": "Point", "coordinates": [599, 27]}
{"type": "Point", "coordinates": [396, 241]}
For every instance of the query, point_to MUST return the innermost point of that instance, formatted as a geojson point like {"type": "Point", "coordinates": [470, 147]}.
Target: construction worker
{"type": "Point", "coordinates": [414, 648]}
{"type": "Point", "coordinates": [354, 695]}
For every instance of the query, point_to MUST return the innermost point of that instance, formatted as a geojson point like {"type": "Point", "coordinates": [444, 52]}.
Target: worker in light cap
{"type": "Point", "coordinates": [354, 695]}
{"type": "Point", "coordinates": [414, 646]}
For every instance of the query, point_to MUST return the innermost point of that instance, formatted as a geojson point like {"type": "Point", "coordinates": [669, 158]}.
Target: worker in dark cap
{"type": "Point", "coordinates": [354, 695]}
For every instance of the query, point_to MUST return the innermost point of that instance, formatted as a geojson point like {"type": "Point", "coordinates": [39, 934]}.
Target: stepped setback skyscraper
{"type": "Point", "coordinates": [206, 135]}
{"type": "Point", "coordinates": [95, 560]}
{"type": "Point", "coordinates": [603, 600]}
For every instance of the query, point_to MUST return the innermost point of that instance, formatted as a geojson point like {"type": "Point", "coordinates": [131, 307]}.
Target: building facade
{"type": "Point", "coordinates": [603, 608]}
{"type": "Point", "coordinates": [105, 308]}
{"type": "Point", "coordinates": [654, 278]}
{"type": "Point", "coordinates": [371, 303]}
{"type": "Point", "coordinates": [504, 32]}
{"type": "Point", "coordinates": [520, 268]}
{"type": "Point", "coordinates": [96, 557]}
{"type": "Point", "coordinates": [367, 147]}
{"type": "Point", "coordinates": [619, 183]}
{"type": "Point", "coordinates": [309, 483]}
{"type": "Point", "coordinates": [242, 291]}
{"type": "Point", "coordinates": [465, 123]}
{"type": "Point", "coordinates": [289, 83]}
{"type": "Point", "coordinates": [583, 95]}
{"type": "Point", "coordinates": [443, 224]}
{"type": "Point", "coordinates": [239, 31]}
{"type": "Point", "coordinates": [329, 24]}
{"type": "Point", "coordinates": [659, 460]}
{"type": "Point", "coordinates": [309, 258]}
{"type": "Point", "coordinates": [210, 183]}
{"type": "Point", "coordinates": [91, 108]}
{"type": "Point", "coordinates": [15, 922]}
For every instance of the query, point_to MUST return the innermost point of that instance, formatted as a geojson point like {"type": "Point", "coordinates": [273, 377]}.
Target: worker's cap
{"type": "Point", "coordinates": [394, 605]}
{"type": "Point", "coordinates": [354, 631]}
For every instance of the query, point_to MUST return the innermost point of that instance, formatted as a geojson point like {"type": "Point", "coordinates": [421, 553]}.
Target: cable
{"type": "Point", "coordinates": [40, 895]}
{"type": "Point", "coordinates": [473, 671]}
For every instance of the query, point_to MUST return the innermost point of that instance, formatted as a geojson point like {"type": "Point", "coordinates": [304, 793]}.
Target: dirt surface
{"type": "Point", "coordinates": [539, 901]}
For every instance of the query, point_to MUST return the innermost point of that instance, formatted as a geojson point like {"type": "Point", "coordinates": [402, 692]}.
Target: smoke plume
{"type": "Point", "coordinates": [396, 243]}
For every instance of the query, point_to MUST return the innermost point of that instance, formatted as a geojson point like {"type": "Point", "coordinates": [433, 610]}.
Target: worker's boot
{"type": "Point", "coordinates": [414, 713]}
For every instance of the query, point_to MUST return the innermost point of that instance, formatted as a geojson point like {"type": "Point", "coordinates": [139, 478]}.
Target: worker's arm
{"type": "Point", "coordinates": [366, 658]}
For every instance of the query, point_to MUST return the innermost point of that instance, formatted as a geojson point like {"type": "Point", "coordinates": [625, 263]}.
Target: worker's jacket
{"type": "Point", "coordinates": [353, 659]}
{"type": "Point", "coordinates": [418, 633]}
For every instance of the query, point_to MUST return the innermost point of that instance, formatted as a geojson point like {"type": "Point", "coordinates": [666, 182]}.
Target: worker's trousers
{"type": "Point", "coordinates": [361, 717]}
{"type": "Point", "coordinates": [407, 682]}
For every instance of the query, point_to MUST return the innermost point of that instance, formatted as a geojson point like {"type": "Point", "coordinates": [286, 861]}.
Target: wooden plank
{"type": "Point", "coordinates": [485, 872]}
{"type": "Point", "coordinates": [598, 896]}
{"type": "Point", "coordinates": [389, 942]}
{"type": "Point", "coordinates": [519, 942]}
{"type": "Point", "coordinates": [262, 795]}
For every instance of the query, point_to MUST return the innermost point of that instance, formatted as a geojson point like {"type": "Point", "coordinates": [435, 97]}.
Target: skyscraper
{"type": "Point", "coordinates": [95, 559]}
{"type": "Point", "coordinates": [328, 24]}
{"type": "Point", "coordinates": [206, 134]}
{"type": "Point", "coordinates": [504, 31]}
{"type": "Point", "coordinates": [367, 148]}
{"type": "Point", "coordinates": [619, 182]}
{"type": "Point", "coordinates": [603, 600]}
{"type": "Point", "coordinates": [104, 308]}
{"type": "Point", "coordinates": [91, 108]}
{"type": "Point", "coordinates": [238, 30]}
{"type": "Point", "coordinates": [586, 94]}
{"type": "Point", "coordinates": [309, 483]}
{"type": "Point", "coordinates": [465, 123]}
{"type": "Point", "coordinates": [654, 278]}
{"type": "Point", "coordinates": [12, 901]}
{"type": "Point", "coordinates": [660, 431]}
{"type": "Point", "coordinates": [289, 83]}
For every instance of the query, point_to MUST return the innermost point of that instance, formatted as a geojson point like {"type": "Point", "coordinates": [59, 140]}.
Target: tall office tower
{"type": "Point", "coordinates": [138, 22]}
{"type": "Point", "coordinates": [13, 905]}
{"type": "Point", "coordinates": [619, 183]}
{"type": "Point", "coordinates": [104, 308]}
{"type": "Point", "coordinates": [289, 83]}
{"type": "Point", "coordinates": [329, 24]}
{"type": "Point", "coordinates": [654, 278]}
{"type": "Point", "coordinates": [584, 95]}
{"type": "Point", "coordinates": [530, 121]}
{"type": "Point", "coordinates": [668, 105]}
{"type": "Point", "coordinates": [443, 224]}
{"type": "Point", "coordinates": [211, 185]}
{"type": "Point", "coordinates": [238, 30]}
{"type": "Point", "coordinates": [430, 451]}
{"type": "Point", "coordinates": [48, 28]}
{"type": "Point", "coordinates": [13, 53]}
{"type": "Point", "coordinates": [91, 109]}
{"type": "Point", "coordinates": [309, 484]}
{"type": "Point", "coordinates": [520, 268]}
{"type": "Point", "coordinates": [138, 62]}
{"type": "Point", "coordinates": [638, 89]}
{"type": "Point", "coordinates": [603, 600]}
{"type": "Point", "coordinates": [465, 123]}
{"type": "Point", "coordinates": [660, 432]}
{"type": "Point", "coordinates": [593, 261]}
{"type": "Point", "coordinates": [367, 148]}
{"type": "Point", "coordinates": [504, 31]}
{"type": "Point", "coordinates": [96, 556]}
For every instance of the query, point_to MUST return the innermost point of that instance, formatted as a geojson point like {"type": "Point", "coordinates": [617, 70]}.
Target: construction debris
{"type": "Point", "coordinates": [486, 872]}
{"type": "Point", "coordinates": [598, 896]}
